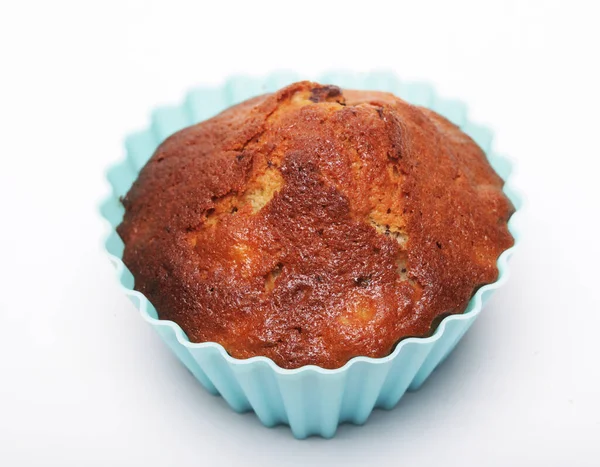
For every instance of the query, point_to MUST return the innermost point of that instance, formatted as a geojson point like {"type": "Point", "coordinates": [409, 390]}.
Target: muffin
{"type": "Point", "coordinates": [314, 225]}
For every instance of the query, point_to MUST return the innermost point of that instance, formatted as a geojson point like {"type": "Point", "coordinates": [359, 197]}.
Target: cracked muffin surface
{"type": "Point", "coordinates": [313, 225]}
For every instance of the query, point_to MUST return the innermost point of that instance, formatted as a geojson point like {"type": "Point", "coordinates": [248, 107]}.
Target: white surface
{"type": "Point", "coordinates": [85, 382]}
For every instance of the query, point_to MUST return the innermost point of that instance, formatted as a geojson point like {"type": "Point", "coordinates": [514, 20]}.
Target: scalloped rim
{"type": "Point", "coordinates": [474, 306]}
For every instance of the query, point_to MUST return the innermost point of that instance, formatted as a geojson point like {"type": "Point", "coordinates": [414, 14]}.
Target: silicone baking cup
{"type": "Point", "coordinates": [311, 400]}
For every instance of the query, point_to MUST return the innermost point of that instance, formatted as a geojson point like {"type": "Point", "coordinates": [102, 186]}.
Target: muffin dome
{"type": "Point", "coordinates": [314, 225]}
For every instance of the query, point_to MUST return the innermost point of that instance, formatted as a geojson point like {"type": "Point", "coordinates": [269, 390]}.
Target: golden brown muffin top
{"type": "Point", "coordinates": [314, 225]}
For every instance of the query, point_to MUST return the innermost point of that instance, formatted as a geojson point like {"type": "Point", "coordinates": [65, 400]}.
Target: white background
{"type": "Point", "coordinates": [83, 381]}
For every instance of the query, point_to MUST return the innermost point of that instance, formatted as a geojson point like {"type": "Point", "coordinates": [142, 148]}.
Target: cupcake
{"type": "Point", "coordinates": [311, 228]}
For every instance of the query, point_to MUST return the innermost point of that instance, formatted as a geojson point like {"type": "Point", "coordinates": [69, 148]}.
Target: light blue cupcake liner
{"type": "Point", "coordinates": [311, 400]}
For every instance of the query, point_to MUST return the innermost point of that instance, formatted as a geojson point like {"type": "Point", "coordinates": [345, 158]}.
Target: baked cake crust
{"type": "Point", "coordinates": [314, 225]}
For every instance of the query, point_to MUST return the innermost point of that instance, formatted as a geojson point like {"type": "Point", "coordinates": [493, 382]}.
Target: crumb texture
{"type": "Point", "coordinates": [314, 225]}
